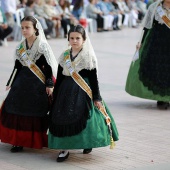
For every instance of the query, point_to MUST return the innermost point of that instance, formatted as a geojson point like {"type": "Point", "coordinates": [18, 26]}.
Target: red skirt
{"type": "Point", "coordinates": [23, 130]}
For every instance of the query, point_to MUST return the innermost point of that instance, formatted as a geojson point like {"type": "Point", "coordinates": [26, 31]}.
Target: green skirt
{"type": "Point", "coordinates": [134, 86]}
{"type": "Point", "coordinates": [96, 134]}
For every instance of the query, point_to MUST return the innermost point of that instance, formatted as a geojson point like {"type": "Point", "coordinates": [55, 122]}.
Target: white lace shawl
{"type": "Point", "coordinates": [82, 61]}
{"type": "Point", "coordinates": [151, 15]}
{"type": "Point", "coordinates": [35, 53]}
{"type": "Point", "coordinates": [86, 59]}
{"type": "Point", "coordinates": [40, 47]}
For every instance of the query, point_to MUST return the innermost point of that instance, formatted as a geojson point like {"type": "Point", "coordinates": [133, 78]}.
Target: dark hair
{"type": "Point", "coordinates": [79, 29]}
{"type": "Point", "coordinates": [34, 22]}
{"type": "Point", "coordinates": [78, 4]}
{"type": "Point", "coordinates": [30, 2]}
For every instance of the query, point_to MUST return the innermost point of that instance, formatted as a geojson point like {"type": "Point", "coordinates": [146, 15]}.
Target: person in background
{"type": "Point", "coordinates": [65, 6]}
{"type": "Point", "coordinates": [29, 11]}
{"type": "Point", "coordinates": [78, 9]}
{"type": "Point", "coordinates": [148, 75]}
{"type": "Point", "coordinates": [9, 8]}
{"type": "Point", "coordinates": [53, 14]}
{"type": "Point", "coordinates": [5, 29]}
{"type": "Point", "coordinates": [22, 4]}
{"type": "Point", "coordinates": [94, 13]}
{"type": "Point", "coordinates": [39, 12]}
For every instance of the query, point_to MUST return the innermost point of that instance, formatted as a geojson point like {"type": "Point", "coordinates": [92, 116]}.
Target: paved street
{"type": "Point", "coordinates": [144, 130]}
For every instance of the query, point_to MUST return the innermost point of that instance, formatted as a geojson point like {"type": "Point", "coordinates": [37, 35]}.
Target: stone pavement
{"type": "Point", "coordinates": [144, 130]}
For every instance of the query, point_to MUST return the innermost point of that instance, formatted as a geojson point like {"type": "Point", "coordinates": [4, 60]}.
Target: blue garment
{"type": "Point", "coordinates": [77, 13]}
{"type": "Point", "coordinates": [103, 7]}
{"type": "Point", "coordinates": [146, 1]}
{"type": "Point", "coordinates": [109, 6]}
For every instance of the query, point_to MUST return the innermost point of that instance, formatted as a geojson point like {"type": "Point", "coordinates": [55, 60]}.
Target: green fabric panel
{"type": "Point", "coordinates": [134, 86]}
{"type": "Point", "coordinates": [96, 134]}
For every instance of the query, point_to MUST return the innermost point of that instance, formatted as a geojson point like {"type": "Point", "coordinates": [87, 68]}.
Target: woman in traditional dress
{"type": "Point", "coordinates": [23, 115]}
{"type": "Point", "coordinates": [148, 76]}
{"type": "Point", "coordinates": [76, 122]}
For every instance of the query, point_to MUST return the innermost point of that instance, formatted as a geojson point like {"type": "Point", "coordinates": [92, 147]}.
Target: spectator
{"type": "Point", "coordinates": [78, 9]}
{"type": "Point", "coordinates": [29, 11]}
{"type": "Point", "coordinates": [9, 8]}
{"type": "Point", "coordinates": [22, 4]}
{"type": "Point", "coordinates": [65, 6]}
{"type": "Point", "coordinates": [64, 21]}
{"type": "Point", "coordinates": [120, 12]}
{"type": "Point", "coordinates": [142, 8]}
{"type": "Point", "coordinates": [52, 13]}
{"type": "Point", "coordinates": [94, 13]}
{"type": "Point", "coordinates": [5, 30]}
{"type": "Point", "coordinates": [108, 17]}
{"type": "Point", "coordinates": [115, 14]}
{"type": "Point", "coordinates": [39, 11]}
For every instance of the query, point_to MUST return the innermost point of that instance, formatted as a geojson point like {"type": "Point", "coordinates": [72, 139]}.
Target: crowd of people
{"type": "Point", "coordinates": [56, 16]}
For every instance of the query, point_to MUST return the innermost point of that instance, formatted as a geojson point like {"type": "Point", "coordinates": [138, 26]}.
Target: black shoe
{"type": "Point", "coordinates": [162, 105]}
{"type": "Point", "coordinates": [134, 26]}
{"type": "Point", "coordinates": [61, 159]}
{"type": "Point", "coordinates": [15, 149]}
{"type": "Point", "coordinates": [86, 151]}
{"type": "Point", "coordinates": [115, 28]}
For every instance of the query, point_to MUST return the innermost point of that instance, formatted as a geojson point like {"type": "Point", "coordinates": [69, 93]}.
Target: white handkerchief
{"type": "Point", "coordinates": [136, 56]}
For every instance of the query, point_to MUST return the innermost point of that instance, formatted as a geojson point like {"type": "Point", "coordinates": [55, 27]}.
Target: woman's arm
{"type": "Point", "coordinates": [92, 75]}
{"type": "Point", "coordinates": [145, 33]}
{"type": "Point", "coordinates": [59, 78]}
{"type": "Point", "coordinates": [95, 88]}
{"type": "Point", "coordinates": [47, 70]}
{"type": "Point", "coordinates": [17, 66]}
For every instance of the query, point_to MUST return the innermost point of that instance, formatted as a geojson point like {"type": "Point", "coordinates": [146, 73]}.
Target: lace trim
{"type": "Point", "coordinates": [33, 53]}
{"type": "Point", "coordinates": [151, 14]}
{"type": "Point", "coordinates": [36, 51]}
{"type": "Point", "coordinates": [82, 61]}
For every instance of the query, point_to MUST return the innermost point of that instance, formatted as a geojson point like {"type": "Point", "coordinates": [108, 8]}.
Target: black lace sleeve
{"type": "Point", "coordinates": [17, 66]}
{"type": "Point", "coordinates": [144, 35]}
{"type": "Point", "coordinates": [47, 70]}
{"type": "Point", "coordinates": [92, 75]}
{"type": "Point", "coordinates": [59, 79]}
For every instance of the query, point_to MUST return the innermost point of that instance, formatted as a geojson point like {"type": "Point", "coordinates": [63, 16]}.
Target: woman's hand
{"type": "Point", "coordinates": [98, 104]}
{"type": "Point", "coordinates": [49, 91]}
{"type": "Point", "coordinates": [138, 46]}
{"type": "Point", "coordinates": [7, 88]}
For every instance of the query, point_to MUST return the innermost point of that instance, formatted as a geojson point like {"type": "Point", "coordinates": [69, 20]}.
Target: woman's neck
{"type": "Point", "coordinates": [31, 40]}
{"type": "Point", "coordinates": [75, 51]}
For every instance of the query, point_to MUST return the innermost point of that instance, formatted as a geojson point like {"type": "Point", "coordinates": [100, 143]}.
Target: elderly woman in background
{"type": "Point", "coordinates": [94, 13]}
{"type": "Point", "coordinates": [39, 11]}
{"type": "Point", "coordinates": [52, 13]}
